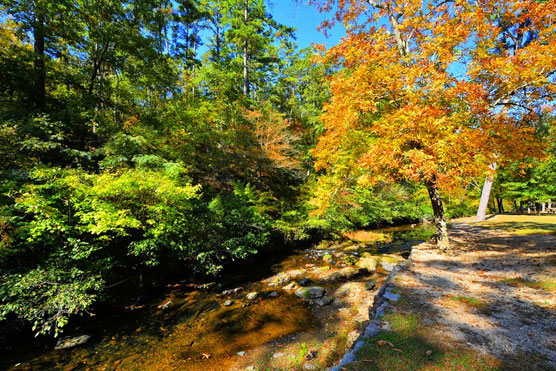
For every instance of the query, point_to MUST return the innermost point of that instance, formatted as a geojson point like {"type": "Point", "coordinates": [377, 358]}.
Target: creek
{"type": "Point", "coordinates": [204, 327]}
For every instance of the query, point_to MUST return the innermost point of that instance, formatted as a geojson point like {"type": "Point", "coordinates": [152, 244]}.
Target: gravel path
{"type": "Point", "coordinates": [493, 293]}
{"type": "Point", "coordinates": [488, 294]}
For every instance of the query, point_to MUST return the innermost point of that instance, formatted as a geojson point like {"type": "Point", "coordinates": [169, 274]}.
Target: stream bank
{"type": "Point", "coordinates": [303, 315]}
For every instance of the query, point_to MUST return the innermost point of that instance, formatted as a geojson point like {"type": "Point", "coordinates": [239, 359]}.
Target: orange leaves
{"type": "Point", "coordinates": [274, 137]}
{"type": "Point", "coordinates": [422, 88]}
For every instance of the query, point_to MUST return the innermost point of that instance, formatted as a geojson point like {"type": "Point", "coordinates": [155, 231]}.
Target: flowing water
{"type": "Point", "coordinates": [188, 327]}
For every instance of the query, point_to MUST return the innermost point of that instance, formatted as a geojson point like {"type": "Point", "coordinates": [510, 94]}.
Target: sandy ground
{"type": "Point", "coordinates": [493, 292]}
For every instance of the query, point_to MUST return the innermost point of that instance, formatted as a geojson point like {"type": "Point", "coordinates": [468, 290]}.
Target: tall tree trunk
{"type": "Point", "coordinates": [245, 53]}
{"type": "Point", "coordinates": [485, 196]}
{"type": "Point", "coordinates": [442, 241]}
{"type": "Point", "coordinates": [500, 203]}
{"type": "Point", "coordinates": [39, 94]}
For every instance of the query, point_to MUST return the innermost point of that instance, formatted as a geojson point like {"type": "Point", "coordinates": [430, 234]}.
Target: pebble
{"type": "Point", "coordinates": [241, 354]}
{"type": "Point", "coordinates": [227, 303]}
{"type": "Point", "coordinates": [252, 295]}
{"type": "Point", "coordinates": [370, 285]}
{"type": "Point", "coordinates": [273, 294]}
{"type": "Point", "coordinates": [324, 301]}
{"type": "Point", "coordinates": [277, 355]}
{"type": "Point", "coordinates": [388, 267]}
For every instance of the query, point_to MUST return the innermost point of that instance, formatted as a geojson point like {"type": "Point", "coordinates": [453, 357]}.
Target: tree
{"type": "Point", "coordinates": [42, 22]}
{"type": "Point", "coordinates": [414, 98]}
{"type": "Point", "coordinates": [520, 29]}
{"type": "Point", "coordinates": [251, 31]}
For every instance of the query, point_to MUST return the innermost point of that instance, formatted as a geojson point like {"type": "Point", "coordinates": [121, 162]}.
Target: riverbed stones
{"type": "Point", "coordinates": [252, 295]}
{"type": "Point", "coordinates": [370, 285]}
{"type": "Point", "coordinates": [277, 355]}
{"type": "Point", "coordinates": [368, 261]}
{"type": "Point", "coordinates": [324, 301]}
{"type": "Point", "coordinates": [284, 278]}
{"type": "Point", "coordinates": [273, 294]}
{"type": "Point", "coordinates": [314, 292]}
{"type": "Point", "coordinates": [291, 287]}
{"type": "Point", "coordinates": [228, 303]}
{"type": "Point", "coordinates": [206, 286]}
{"type": "Point", "coordinates": [71, 342]}
{"type": "Point", "coordinates": [231, 292]}
{"type": "Point", "coordinates": [388, 267]}
{"type": "Point", "coordinates": [344, 274]}
{"type": "Point", "coordinates": [305, 282]}
{"type": "Point", "coordinates": [241, 354]}
{"type": "Point", "coordinates": [310, 367]}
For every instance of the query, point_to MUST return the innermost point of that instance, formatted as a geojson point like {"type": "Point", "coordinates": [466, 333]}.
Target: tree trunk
{"type": "Point", "coordinates": [439, 219]}
{"type": "Point", "coordinates": [500, 203]}
{"type": "Point", "coordinates": [485, 196]}
{"type": "Point", "coordinates": [39, 94]}
{"type": "Point", "coordinates": [492, 207]}
{"type": "Point", "coordinates": [245, 54]}
{"type": "Point", "coordinates": [516, 208]}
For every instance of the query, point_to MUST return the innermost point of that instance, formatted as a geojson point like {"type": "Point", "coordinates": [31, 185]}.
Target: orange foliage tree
{"type": "Point", "coordinates": [435, 91]}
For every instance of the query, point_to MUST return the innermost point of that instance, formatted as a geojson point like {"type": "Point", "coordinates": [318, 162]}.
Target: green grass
{"type": "Point", "coordinates": [478, 304]}
{"type": "Point", "coordinates": [523, 225]}
{"type": "Point", "coordinates": [548, 285]}
{"type": "Point", "coordinates": [415, 348]}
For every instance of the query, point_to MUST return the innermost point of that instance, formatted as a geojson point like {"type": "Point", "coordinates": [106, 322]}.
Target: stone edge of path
{"type": "Point", "coordinates": [381, 301]}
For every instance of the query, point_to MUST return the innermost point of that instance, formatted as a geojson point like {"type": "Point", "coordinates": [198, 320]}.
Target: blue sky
{"type": "Point", "coordinates": [305, 19]}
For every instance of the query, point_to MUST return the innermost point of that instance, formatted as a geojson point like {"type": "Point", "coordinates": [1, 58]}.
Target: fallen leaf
{"type": "Point", "coordinates": [428, 352]}
{"type": "Point", "coordinates": [205, 356]}
{"type": "Point", "coordinates": [398, 350]}
{"type": "Point", "coordinates": [383, 343]}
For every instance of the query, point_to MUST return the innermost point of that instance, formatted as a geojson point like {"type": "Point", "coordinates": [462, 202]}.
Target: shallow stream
{"type": "Point", "coordinates": [190, 327]}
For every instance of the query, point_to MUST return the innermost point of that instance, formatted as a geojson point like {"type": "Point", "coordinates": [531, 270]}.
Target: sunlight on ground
{"type": "Point", "coordinates": [519, 224]}
{"type": "Point", "coordinates": [410, 346]}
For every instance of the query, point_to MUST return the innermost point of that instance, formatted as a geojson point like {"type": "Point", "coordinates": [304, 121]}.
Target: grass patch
{"type": "Point", "coordinates": [416, 348]}
{"type": "Point", "coordinates": [478, 305]}
{"type": "Point", "coordinates": [548, 285]}
{"type": "Point", "coordinates": [523, 225]}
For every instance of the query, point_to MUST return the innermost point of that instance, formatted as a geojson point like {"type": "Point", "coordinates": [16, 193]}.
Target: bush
{"type": "Point", "coordinates": [71, 232]}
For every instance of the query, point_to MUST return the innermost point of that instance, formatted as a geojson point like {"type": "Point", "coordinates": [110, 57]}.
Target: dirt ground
{"type": "Point", "coordinates": [490, 303]}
